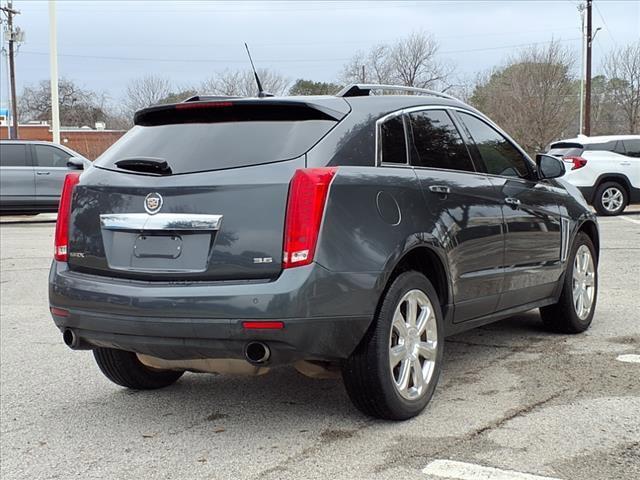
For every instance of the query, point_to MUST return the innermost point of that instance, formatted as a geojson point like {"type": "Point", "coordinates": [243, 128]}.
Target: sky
{"type": "Point", "coordinates": [102, 45]}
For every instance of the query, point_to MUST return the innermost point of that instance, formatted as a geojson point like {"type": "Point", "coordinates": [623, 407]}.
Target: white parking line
{"type": "Point", "coordinates": [470, 471]}
{"type": "Point", "coordinates": [629, 358]}
{"type": "Point", "coordinates": [632, 220]}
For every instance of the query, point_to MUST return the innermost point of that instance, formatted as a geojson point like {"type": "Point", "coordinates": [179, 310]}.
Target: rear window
{"type": "Point", "coordinates": [198, 147]}
{"type": "Point", "coordinates": [566, 149]}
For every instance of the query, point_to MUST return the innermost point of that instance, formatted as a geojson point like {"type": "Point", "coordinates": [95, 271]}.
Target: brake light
{"type": "Point", "coordinates": [305, 208]}
{"type": "Point", "coordinates": [64, 212]}
{"type": "Point", "coordinates": [190, 106]}
{"type": "Point", "coordinates": [578, 162]}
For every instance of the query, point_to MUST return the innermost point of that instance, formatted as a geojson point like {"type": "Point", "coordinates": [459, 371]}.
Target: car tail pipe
{"type": "Point", "coordinates": [74, 341]}
{"type": "Point", "coordinates": [257, 353]}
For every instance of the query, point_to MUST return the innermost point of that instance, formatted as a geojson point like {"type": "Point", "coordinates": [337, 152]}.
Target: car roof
{"type": "Point", "coordinates": [584, 140]}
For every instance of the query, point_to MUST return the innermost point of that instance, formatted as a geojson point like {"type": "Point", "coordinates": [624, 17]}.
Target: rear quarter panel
{"type": "Point", "coordinates": [373, 216]}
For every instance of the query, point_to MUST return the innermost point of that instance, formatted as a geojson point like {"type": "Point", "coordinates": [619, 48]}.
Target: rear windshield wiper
{"type": "Point", "coordinates": [154, 165]}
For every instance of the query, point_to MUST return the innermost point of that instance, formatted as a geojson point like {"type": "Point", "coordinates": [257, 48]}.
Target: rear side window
{"type": "Point", "coordinates": [13, 155]}
{"type": "Point", "coordinates": [632, 147]}
{"type": "Point", "coordinates": [394, 147]}
{"type": "Point", "coordinates": [437, 142]}
{"type": "Point", "coordinates": [602, 146]}
{"type": "Point", "coordinates": [198, 147]}
{"type": "Point", "coordinates": [499, 156]}
{"type": "Point", "coordinates": [47, 156]}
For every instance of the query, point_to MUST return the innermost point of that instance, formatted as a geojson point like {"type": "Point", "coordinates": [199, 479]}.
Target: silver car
{"type": "Point", "coordinates": [32, 173]}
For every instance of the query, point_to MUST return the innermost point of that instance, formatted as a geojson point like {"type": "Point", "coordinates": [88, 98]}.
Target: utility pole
{"type": "Point", "coordinates": [587, 93]}
{"type": "Point", "coordinates": [12, 34]}
{"type": "Point", "coordinates": [364, 77]}
{"type": "Point", "coordinates": [53, 54]}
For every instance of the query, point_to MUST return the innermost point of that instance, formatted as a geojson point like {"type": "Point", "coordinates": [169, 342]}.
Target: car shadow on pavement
{"type": "Point", "coordinates": [283, 397]}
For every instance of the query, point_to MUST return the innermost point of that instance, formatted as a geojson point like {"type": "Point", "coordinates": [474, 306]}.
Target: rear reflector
{"type": "Point", "coordinates": [578, 162]}
{"type": "Point", "coordinates": [61, 242]}
{"type": "Point", "coordinates": [305, 208]}
{"type": "Point", "coordinates": [59, 312]}
{"type": "Point", "coordinates": [263, 325]}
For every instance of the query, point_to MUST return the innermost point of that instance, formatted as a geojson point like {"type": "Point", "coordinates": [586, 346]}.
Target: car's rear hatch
{"type": "Point", "coordinates": [196, 191]}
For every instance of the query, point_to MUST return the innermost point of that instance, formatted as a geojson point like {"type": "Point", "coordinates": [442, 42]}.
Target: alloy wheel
{"type": "Point", "coordinates": [584, 282]}
{"type": "Point", "coordinates": [612, 199]}
{"type": "Point", "coordinates": [413, 343]}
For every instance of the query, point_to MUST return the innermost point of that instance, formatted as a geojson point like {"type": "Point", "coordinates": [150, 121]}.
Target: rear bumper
{"type": "Point", "coordinates": [325, 314]}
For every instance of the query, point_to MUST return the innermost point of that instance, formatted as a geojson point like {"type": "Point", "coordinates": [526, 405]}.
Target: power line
{"type": "Point", "coordinates": [604, 22]}
{"type": "Point", "coordinates": [279, 60]}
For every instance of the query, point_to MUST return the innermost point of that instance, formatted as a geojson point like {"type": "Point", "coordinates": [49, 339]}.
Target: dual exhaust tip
{"type": "Point", "coordinates": [256, 353]}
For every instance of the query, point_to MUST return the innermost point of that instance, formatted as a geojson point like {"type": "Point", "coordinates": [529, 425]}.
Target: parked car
{"type": "Point", "coordinates": [605, 169]}
{"type": "Point", "coordinates": [346, 233]}
{"type": "Point", "coordinates": [32, 174]}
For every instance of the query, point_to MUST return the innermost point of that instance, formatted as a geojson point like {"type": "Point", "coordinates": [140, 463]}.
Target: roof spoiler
{"type": "Point", "coordinates": [201, 109]}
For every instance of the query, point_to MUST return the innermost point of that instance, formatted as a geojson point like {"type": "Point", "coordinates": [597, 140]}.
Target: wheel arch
{"type": "Point", "coordinates": [590, 228]}
{"type": "Point", "coordinates": [614, 177]}
{"type": "Point", "coordinates": [425, 259]}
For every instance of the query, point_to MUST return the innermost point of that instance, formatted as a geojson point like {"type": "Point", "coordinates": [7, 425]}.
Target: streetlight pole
{"type": "Point", "coordinates": [53, 64]}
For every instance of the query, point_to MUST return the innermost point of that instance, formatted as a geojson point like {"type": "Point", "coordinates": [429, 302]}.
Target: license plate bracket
{"type": "Point", "coordinates": [158, 246]}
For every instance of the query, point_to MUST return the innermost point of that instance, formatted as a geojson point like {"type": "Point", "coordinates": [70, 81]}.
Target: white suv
{"type": "Point", "coordinates": [605, 169]}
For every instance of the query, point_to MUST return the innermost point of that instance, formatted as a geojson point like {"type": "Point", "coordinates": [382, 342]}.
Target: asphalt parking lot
{"type": "Point", "coordinates": [511, 396]}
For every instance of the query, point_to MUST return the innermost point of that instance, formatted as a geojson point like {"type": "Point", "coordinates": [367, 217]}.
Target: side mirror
{"type": "Point", "coordinates": [76, 163]}
{"type": "Point", "coordinates": [549, 166]}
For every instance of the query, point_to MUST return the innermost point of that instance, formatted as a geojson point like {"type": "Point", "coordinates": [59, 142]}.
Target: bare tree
{"type": "Point", "coordinates": [78, 106]}
{"type": "Point", "coordinates": [622, 67]}
{"type": "Point", "coordinates": [533, 95]}
{"type": "Point", "coordinates": [144, 92]}
{"type": "Point", "coordinates": [414, 62]}
{"type": "Point", "coordinates": [411, 61]}
{"type": "Point", "coordinates": [242, 83]}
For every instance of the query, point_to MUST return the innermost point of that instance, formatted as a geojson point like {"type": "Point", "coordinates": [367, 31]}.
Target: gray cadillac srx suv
{"type": "Point", "coordinates": [344, 234]}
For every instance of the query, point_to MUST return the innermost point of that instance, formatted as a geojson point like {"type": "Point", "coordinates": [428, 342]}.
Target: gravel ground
{"type": "Point", "coordinates": [511, 396]}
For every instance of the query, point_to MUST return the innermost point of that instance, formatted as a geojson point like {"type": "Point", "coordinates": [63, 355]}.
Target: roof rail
{"type": "Point", "coordinates": [208, 98]}
{"type": "Point", "coordinates": [364, 89]}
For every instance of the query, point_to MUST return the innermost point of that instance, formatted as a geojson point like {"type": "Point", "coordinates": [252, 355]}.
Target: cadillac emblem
{"type": "Point", "coordinates": [153, 203]}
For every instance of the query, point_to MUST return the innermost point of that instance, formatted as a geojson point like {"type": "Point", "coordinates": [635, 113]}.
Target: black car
{"type": "Point", "coordinates": [342, 234]}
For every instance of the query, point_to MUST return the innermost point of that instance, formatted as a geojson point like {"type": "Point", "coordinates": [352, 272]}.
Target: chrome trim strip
{"type": "Point", "coordinates": [564, 235]}
{"type": "Point", "coordinates": [160, 221]}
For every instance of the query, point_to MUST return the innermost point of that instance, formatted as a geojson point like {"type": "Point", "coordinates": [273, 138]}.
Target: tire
{"type": "Point", "coordinates": [124, 368]}
{"type": "Point", "coordinates": [610, 198]}
{"type": "Point", "coordinates": [563, 317]}
{"type": "Point", "coordinates": [369, 379]}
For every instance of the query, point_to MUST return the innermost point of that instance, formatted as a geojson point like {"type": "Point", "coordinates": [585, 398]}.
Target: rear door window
{"type": "Point", "coordinates": [48, 156]}
{"type": "Point", "coordinates": [392, 136]}
{"type": "Point", "coordinates": [497, 153]}
{"type": "Point", "coordinates": [198, 147]}
{"type": "Point", "coordinates": [436, 142]}
{"type": "Point", "coordinates": [13, 155]}
{"type": "Point", "coordinates": [632, 148]}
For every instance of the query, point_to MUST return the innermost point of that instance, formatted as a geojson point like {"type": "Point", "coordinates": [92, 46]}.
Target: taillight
{"type": "Point", "coordinates": [305, 208]}
{"type": "Point", "coordinates": [64, 211]}
{"type": "Point", "coordinates": [578, 162]}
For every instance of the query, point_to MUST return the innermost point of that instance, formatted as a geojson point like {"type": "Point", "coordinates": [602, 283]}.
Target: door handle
{"type": "Point", "coordinates": [625, 164]}
{"type": "Point", "coordinates": [513, 202]}
{"type": "Point", "coordinates": [43, 173]}
{"type": "Point", "coordinates": [441, 189]}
